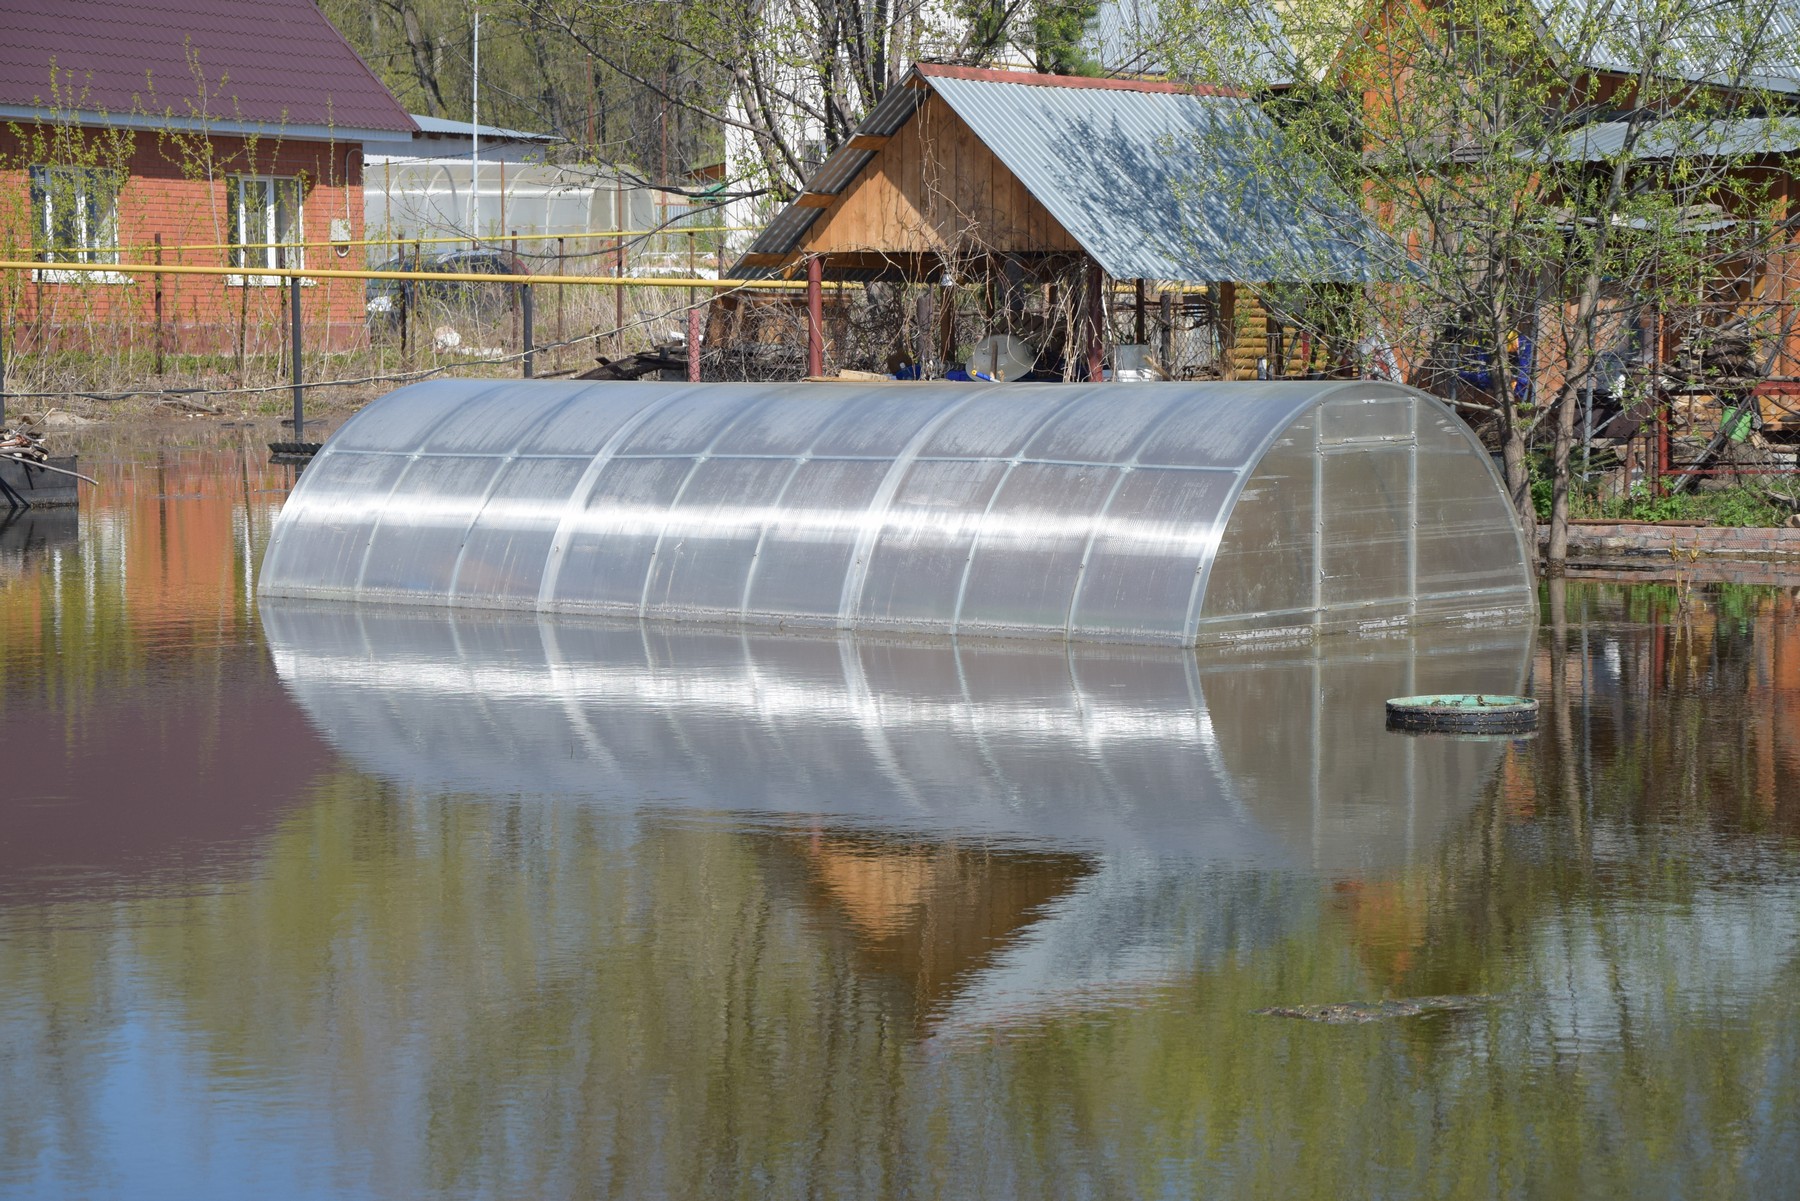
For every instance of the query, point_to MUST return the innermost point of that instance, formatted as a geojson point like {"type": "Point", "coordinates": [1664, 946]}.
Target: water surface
{"type": "Point", "coordinates": [316, 901]}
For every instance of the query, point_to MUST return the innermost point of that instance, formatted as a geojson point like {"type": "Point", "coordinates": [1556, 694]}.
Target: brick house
{"type": "Point", "coordinates": [230, 131]}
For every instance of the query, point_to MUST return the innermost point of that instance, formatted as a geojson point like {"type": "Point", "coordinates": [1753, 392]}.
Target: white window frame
{"type": "Point", "coordinates": [92, 193]}
{"type": "Point", "coordinates": [262, 217]}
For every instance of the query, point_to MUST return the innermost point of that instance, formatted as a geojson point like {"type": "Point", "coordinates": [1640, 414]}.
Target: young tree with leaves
{"type": "Point", "coordinates": [1543, 174]}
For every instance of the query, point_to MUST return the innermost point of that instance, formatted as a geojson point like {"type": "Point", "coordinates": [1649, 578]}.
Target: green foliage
{"type": "Point", "coordinates": [1058, 29]}
{"type": "Point", "coordinates": [1540, 497]}
{"type": "Point", "coordinates": [1742, 506]}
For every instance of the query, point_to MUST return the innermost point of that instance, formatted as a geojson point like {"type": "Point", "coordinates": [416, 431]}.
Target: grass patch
{"type": "Point", "coordinates": [1741, 506]}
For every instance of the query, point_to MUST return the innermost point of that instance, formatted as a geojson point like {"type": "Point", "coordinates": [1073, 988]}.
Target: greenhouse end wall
{"type": "Point", "coordinates": [1149, 513]}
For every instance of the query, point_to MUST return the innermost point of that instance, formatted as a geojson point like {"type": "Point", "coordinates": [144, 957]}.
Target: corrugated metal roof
{"type": "Point", "coordinates": [1745, 138]}
{"type": "Point", "coordinates": [779, 236]}
{"type": "Point", "coordinates": [1153, 180]}
{"type": "Point", "coordinates": [836, 172]}
{"type": "Point", "coordinates": [1164, 184]}
{"type": "Point", "coordinates": [462, 129]}
{"type": "Point", "coordinates": [273, 63]}
{"type": "Point", "coordinates": [1702, 41]}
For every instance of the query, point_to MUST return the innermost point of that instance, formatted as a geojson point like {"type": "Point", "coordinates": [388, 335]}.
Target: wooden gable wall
{"type": "Point", "coordinates": [934, 188]}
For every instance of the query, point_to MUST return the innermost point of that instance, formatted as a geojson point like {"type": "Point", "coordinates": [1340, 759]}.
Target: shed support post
{"type": "Point", "coordinates": [294, 356]}
{"type": "Point", "coordinates": [1140, 338]}
{"type": "Point", "coordinates": [1091, 322]}
{"type": "Point", "coordinates": [815, 317]}
{"type": "Point", "coordinates": [693, 344]}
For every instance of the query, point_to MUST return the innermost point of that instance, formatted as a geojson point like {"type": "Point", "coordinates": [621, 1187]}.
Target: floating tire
{"type": "Point", "coordinates": [1463, 713]}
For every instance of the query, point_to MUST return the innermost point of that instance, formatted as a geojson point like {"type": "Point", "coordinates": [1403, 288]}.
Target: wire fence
{"type": "Point", "coordinates": [217, 337]}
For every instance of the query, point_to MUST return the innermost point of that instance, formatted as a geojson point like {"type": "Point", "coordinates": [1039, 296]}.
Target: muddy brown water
{"type": "Point", "coordinates": [322, 902]}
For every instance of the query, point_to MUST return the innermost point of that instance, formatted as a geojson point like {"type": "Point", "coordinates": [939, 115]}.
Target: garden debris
{"type": "Point", "coordinates": [1343, 1013]}
{"type": "Point", "coordinates": [18, 444]}
{"type": "Point", "coordinates": [663, 362]}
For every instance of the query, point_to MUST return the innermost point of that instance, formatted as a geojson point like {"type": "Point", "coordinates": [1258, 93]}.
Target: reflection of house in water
{"type": "Point", "coordinates": [997, 828]}
{"type": "Point", "coordinates": [143, 713]}
{"type": "Point", "coordinates": [922, 915]}
{"type": "Point", "coordinates": [1730, 650]}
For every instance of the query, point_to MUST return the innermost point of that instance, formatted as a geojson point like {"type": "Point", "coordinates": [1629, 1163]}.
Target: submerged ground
{"type": "Point", "coordinates": [305, 902]}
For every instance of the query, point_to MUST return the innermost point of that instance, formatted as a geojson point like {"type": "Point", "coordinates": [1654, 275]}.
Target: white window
{"type": "Point", "coordinates": [266, 225]}
{"type": "Point", "coordinates": [75, 213]}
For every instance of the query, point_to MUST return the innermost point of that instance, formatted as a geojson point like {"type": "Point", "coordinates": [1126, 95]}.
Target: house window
{"type": "Point", "coordinates": [266, 225]}
{"type": "Point", "coordinates": [75, 213]}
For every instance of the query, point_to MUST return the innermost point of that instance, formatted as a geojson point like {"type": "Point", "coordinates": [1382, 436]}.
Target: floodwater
{"type": "Point", "coordinates": [324, 902]}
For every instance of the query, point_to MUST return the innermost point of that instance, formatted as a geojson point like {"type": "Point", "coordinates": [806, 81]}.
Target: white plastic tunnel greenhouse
{"type": "Point", "coordinates": [1151, 513]}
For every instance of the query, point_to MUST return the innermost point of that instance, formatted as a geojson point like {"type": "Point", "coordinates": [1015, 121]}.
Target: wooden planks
{"type": "Point", "coordinates": [933, 186]}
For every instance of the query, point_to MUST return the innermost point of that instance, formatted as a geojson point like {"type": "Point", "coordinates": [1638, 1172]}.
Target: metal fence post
{"type": "Point", "coordinates": [562, 268]}
{"type": "Point", "coordinates": [157, 305]}
{"type": "Point", "coordinates": [511, 269]}
{"type": "Point", "coordinates": [619, 297]}
{"type": "Point", "coordinates": [1168, 335]}
{"type": "Point", "coordinates": [526, 306]}
{"type": "Point", "coordinates": [2, 361]}
{"type": "Point", "coordinates": [294, 358]}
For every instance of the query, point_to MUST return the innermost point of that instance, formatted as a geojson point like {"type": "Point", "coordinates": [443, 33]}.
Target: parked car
{"type": "Point", "coordinates": [385, 298]}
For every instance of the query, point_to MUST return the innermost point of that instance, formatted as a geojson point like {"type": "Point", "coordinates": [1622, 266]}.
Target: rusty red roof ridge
{"type": "Point", "coordinates": [1044, 80]}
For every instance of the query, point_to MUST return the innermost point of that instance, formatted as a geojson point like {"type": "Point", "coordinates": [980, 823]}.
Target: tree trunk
{"type": "Point", "coordinates": [1512, 434]}
{"type": "Point", "coordinates": [1558, 554]}
{"type": "Point", "coordinates": [1579, 374]}
{"type": "Point", "coordinates": [1518, 473]}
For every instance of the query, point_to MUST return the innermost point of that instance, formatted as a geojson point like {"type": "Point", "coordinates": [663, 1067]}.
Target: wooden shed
{"type": "Point", "coordinates": [964, 173]}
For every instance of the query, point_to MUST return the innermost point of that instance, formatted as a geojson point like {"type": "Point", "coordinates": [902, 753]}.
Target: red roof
{"type": "Point", "coordinates": [273, 63]}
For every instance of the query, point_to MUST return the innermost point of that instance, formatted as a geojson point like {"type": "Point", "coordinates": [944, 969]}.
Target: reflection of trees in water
{"type": "Point", "coordinates": [160, 577]}
{"type": "Point", "coordinates": [1628, 895]}
{"type": "Point", "coordinates": [1678, 715]}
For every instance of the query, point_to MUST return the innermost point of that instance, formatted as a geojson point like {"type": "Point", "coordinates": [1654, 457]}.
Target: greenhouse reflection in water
{"type": "Point", "coordinates": [1147, 764]}
{"type": "Point", "coordinates": [1270, 755]}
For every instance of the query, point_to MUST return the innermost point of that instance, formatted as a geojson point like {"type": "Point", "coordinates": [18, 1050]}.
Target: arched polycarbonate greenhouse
{"type": "Point", "coordinates": [1152, 513]}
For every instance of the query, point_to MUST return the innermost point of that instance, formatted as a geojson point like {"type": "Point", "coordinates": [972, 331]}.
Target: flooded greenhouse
{"type": "Point", "coordinates": [476, 897]}
{"type": "Point", "coordinates": [1147, 513]}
